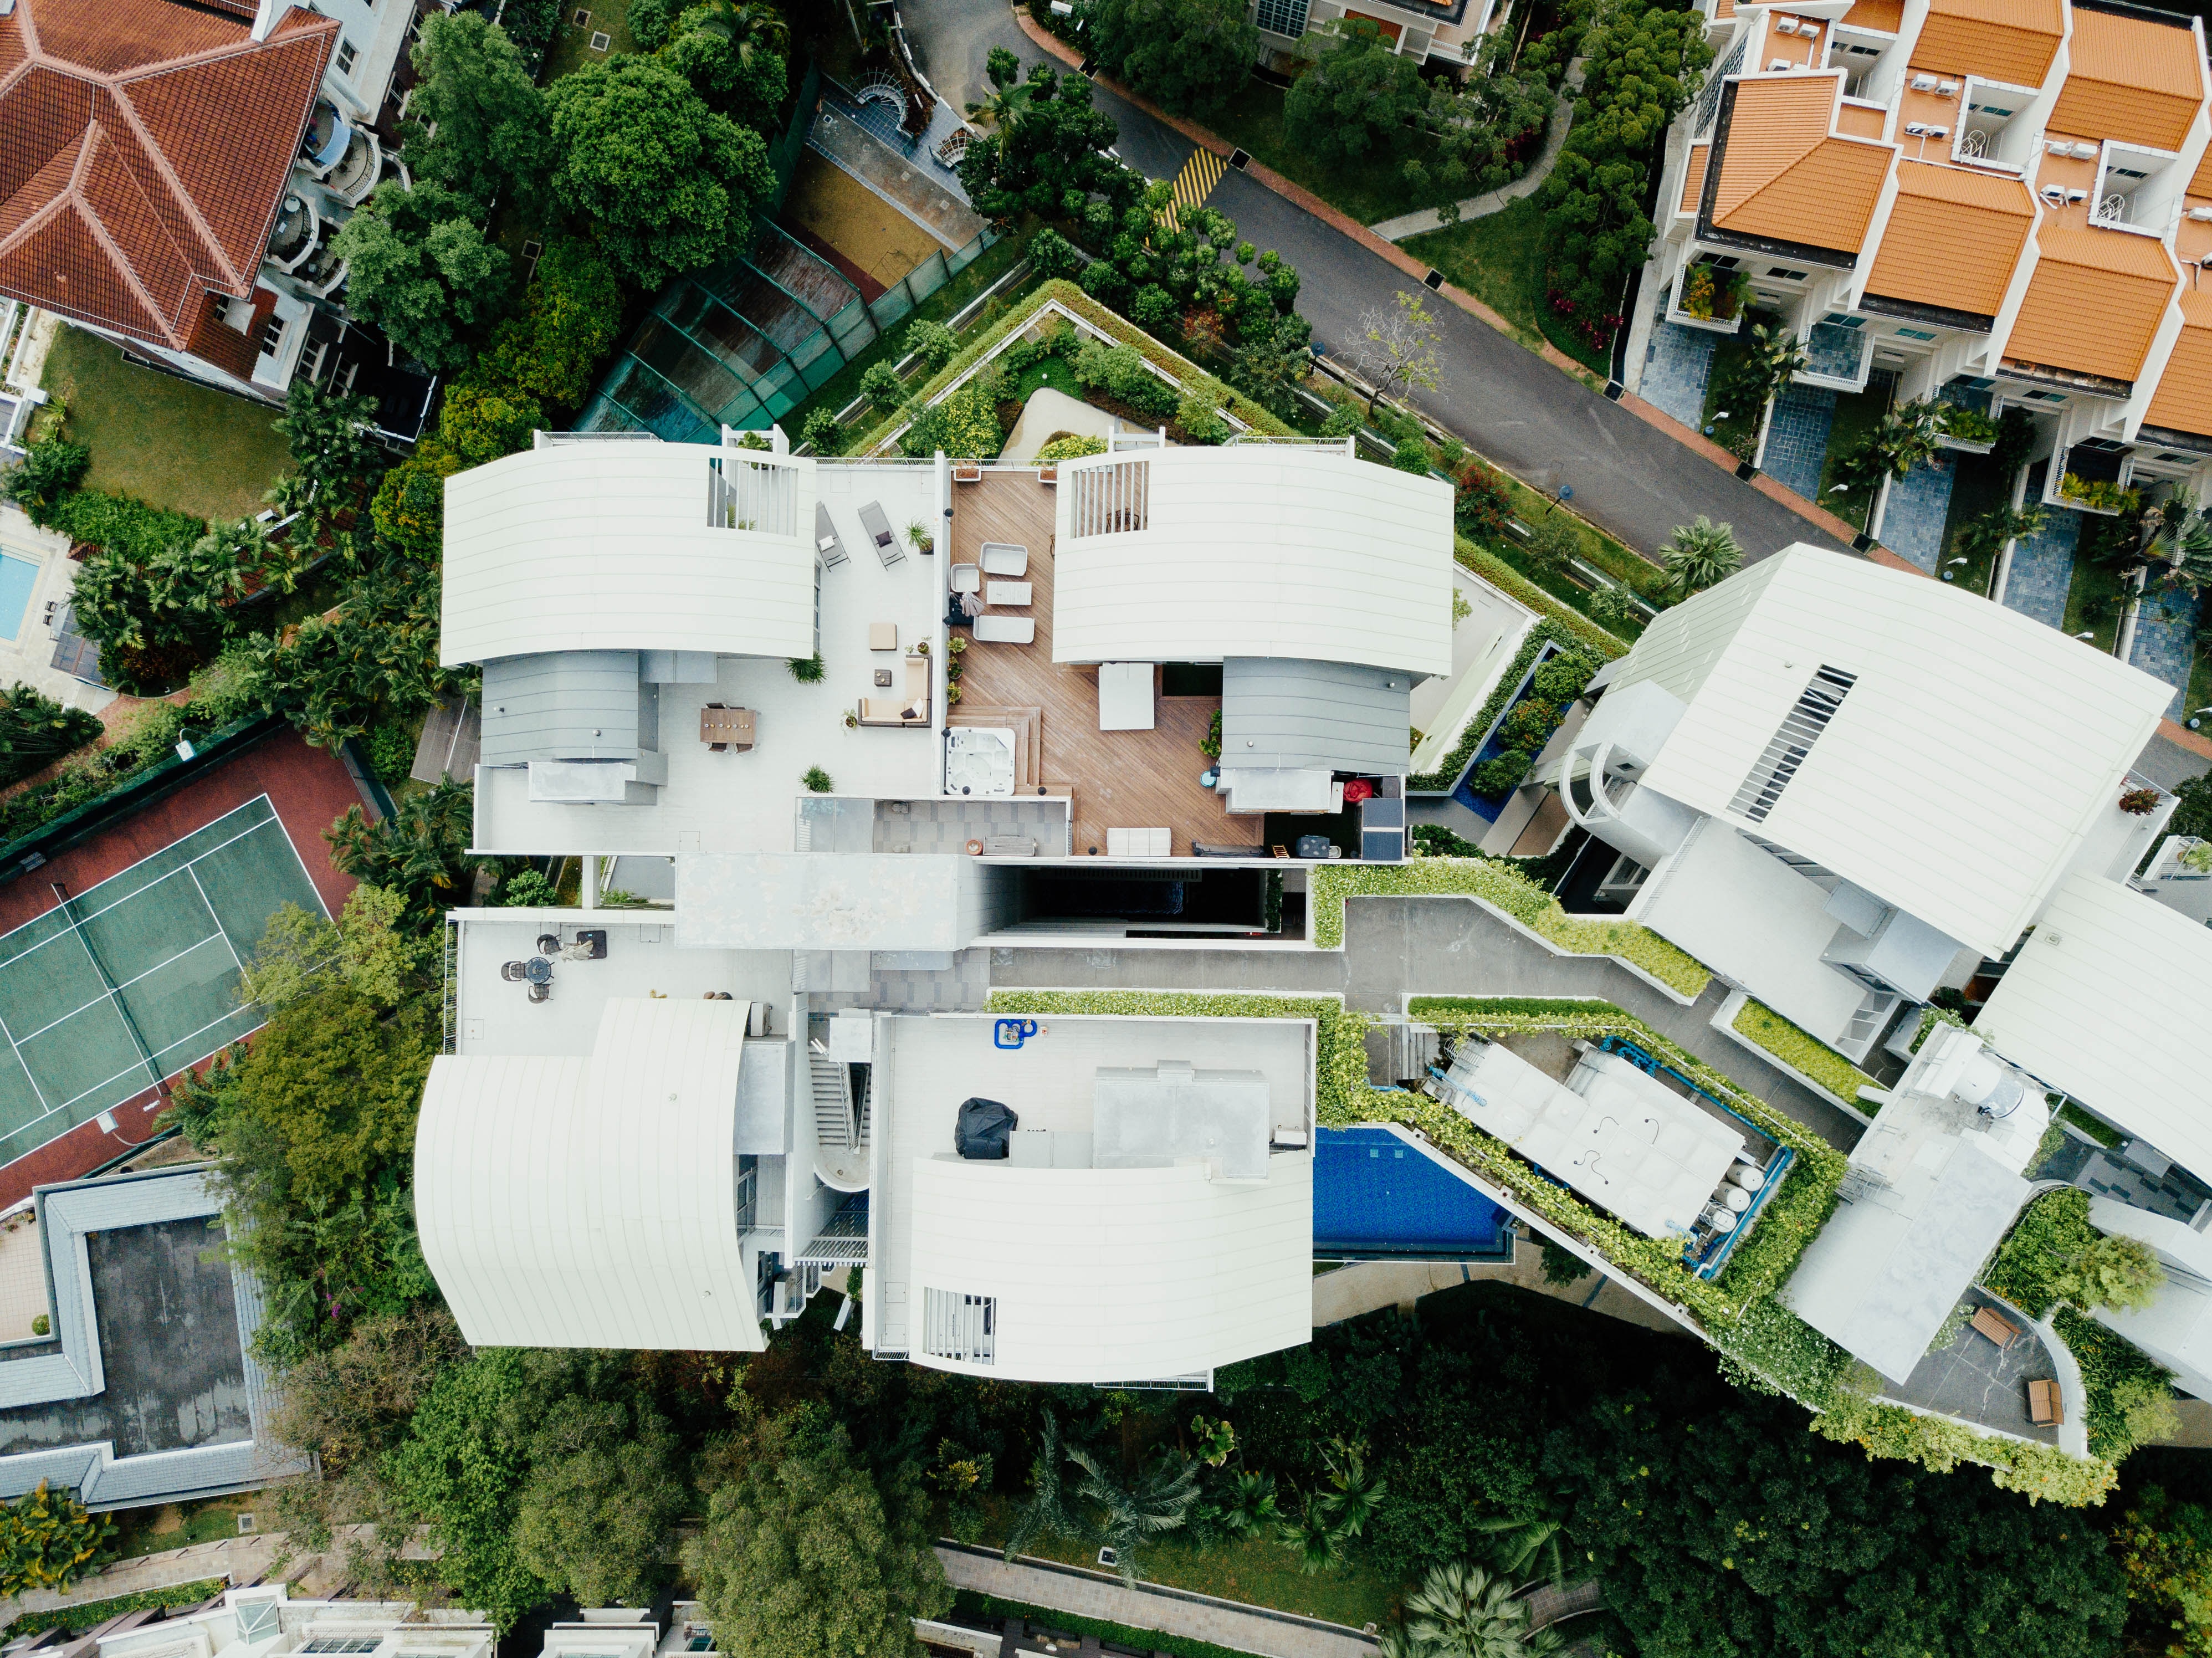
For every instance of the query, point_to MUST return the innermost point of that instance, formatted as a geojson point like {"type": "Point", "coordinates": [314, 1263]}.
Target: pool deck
{"type": "Point", "coordinates": [1370, 1285]}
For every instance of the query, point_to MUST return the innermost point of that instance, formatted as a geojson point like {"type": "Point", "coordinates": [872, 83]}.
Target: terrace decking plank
{"type": "Point", "coordinates": [1121, 780]}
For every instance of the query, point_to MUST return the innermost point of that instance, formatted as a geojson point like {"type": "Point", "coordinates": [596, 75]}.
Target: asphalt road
{"type": "Point", "coordinates": [1502, 399]}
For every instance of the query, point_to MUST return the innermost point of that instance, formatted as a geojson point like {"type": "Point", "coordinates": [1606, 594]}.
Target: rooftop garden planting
{"type": "Point", "coordinates": [2099, 494]}
{"type": "Point", "coordinates": [1804, 1053]}
{"type": "Point", "coordinates": [1499, 884]}
{"type": "Point", "coordinates": [1500, 743]}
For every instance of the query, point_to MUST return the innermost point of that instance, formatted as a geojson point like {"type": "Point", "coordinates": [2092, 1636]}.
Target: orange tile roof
{"type": "Point", "coordinates": [2130, 79]}
{"type": "Point", "coordinates": [1784, 178]}
{"type": "Point", "coordinates": [2202, 184]}
{"type": "Point", "coordinates": [1722, 10]}
{"type": "Point", "coordinates": [1693, 176]}
{"type": "Point", "coordinates": [2009, 41]}
{"type": "Point", "coordinates": [1860, 120]}
{"type": "Point", "coordinates": [144, 145]}
{"type": "Point", "coordinates": [2183, 402]}
{"type": "Point", "coordinates": [2095, 300]}
{"type": "Point", "coordinates": [1953, 239]}
{"type": "Point", "coordinates": [1882, 15]}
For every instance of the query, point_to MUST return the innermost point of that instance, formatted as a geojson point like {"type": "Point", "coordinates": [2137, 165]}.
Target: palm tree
{"type": "Point", "coordinates": [1518, 1544]}
{"type": "Point", "coordinates": [1247, 1507]}
{"type": "Point", "coordinates": [421, 851]}
{"type": "Point", "coordinates": [1357, 1495]}
{"type": "Point", "coordinates": [1009, 95]}
{"type": "Point", "coordinates": [1986, 536]}
{"type": "Point", "coordinates": [1047, 1513]}
{"type": "Point", "coordinates": [1698, 554]}
{"type": "Point", "coordinates": [1313, 1532]}
{"type": "Point", "coordinates": [1775, 354]}
{"type": "Point", "coordinates": [1906, 438]}
{"type": "Point", "coordinates": [751, 26]}
{"type": "Point", "coordinates": [2184, 537]}
{"type": "Point", "coordinates": [1131, 1513]}
{"type": "Point", "coordinates": [1461, 1612]}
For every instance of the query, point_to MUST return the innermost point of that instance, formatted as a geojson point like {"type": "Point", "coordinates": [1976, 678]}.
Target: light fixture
{"type": "Point", "coordinates": [2086, 634]}
{"type": "Point", "coordinates": [1837, 489]}
{"type": "Point", "coordinates": [1958, 561]}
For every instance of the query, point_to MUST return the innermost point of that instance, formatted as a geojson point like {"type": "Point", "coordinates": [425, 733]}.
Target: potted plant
{"type": "Point", "coordinates": [852, 719]}
{"type": "Point", "coordinates": [1697, 297]}
{"type": "Point", "coordinates": [918, 533]}
{"type": "Point", "coordinates": [1968, 430]}
{"type": "Point", "coordinates": [922, 647]}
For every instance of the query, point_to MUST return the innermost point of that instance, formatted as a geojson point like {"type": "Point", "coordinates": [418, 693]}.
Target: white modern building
{"type": "Point", "coordinates": [819, 736]}
{"type": "Point", "coordinates": [1843, 787]}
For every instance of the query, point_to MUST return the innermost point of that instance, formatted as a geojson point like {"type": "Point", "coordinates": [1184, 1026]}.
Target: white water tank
{"type": "Point", "coordinates": [1995, 1088]}
{"type": "Point", "coordinates": [1719, 1219]}
{"type": "Point", "coordinates": [1746, 1176]}
{"type": "Point", "coordinates": [1735, 1197]}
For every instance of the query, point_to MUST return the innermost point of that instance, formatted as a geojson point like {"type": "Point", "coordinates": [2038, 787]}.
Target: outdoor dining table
{"type": "Point", "coordinates": [733, 726]}
{"type": "Point", "coordinates": [537, 970]}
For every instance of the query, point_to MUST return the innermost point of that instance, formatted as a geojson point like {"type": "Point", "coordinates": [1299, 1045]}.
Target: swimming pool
{"type": "Point", "coordinates": [18, 576]}
{"type": "Point", "coordinates": [1379, 1196]}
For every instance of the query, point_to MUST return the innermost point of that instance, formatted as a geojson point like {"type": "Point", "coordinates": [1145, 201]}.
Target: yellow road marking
{"type": "Point", "coordinates": [1193, 186]}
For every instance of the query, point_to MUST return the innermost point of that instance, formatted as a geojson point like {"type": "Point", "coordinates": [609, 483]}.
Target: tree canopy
{"type": "Point", "coordinates": [1358, 98]}
{"type": "Point", "coordinates": [1187, 56]}
{"type": "Point", "coordinates": [478, 122]}
{"type": "Point", "coordinates": [666, 184]}
{"type": "Point", "coordinates": [420, 268]}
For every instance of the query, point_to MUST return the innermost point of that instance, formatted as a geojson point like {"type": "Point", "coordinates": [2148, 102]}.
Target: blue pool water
{"type": "Point", "coordinates": [1378, 1195]}
{"type": "Point", "coordinates": [17, 577]}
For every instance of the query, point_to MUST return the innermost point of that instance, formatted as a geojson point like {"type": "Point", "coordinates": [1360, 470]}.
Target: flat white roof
{"type": "Point", "coordinates": [1258, 550]}
{"type": "Point", "coordinates": [824, 901]}
{"type": "Point", "coordinates": [2106, 1001]}
{"type": "Point", "coordinates": [569, 1202]}
{"type": "Point", "coordinates": [609, 546]}
{"type": "Point", "coordinates": [1963, 770]}
{"type": "Point", "coordinates": [1619, 1137]}
{"type": "Point", "coordinates": [1099, 1274]}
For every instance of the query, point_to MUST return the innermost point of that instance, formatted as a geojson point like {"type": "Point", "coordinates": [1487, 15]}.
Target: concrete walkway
{"type": "Point", "coordinates": [1445, 946]}
{"type": "Point", "coordinates": [1496, 200]}
{"type": "Point", "coordinates": [1150, 1606]}
{"type": "Point", "coordinates": [241, 1560]}
{"type": "Point", "coordinates": [1368, 1287]}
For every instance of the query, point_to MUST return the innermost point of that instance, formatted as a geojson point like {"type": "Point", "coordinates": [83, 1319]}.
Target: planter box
{"type": "Point", "coordinates": [968, 474]}
{"type": "Point", "coordinates": [1964, 445]}
{"type": "Point", "coordinates": [1711, 325]}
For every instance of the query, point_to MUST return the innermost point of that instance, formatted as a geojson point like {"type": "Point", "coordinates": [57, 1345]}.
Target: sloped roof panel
{"type": "Point", "coordinates": [1784, 177]}
{"type": "Point", "coordinates": [62, 262]}
{"type": "Point", "coordinates": [2130, 78]}
{"type": "Point", "coordinates": [1954, 237]}
{"type": "Point", "coordinates": [2094, 301]}
{"type": "Point", "coordinates": [2009, 41]}
{"type": "Point", "coordinates": [2183, 401]}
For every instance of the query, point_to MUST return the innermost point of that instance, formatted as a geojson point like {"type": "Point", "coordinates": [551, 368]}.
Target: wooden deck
{"type": "Point", "coordinates": [1119, 780]}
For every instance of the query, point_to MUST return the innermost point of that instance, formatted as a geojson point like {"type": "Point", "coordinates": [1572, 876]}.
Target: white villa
{"type": "Point", "coordinates": [819, 734]}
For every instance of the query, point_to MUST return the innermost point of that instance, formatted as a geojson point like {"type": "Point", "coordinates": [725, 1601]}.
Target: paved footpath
{"type": "Point", "coordinates": [1150, 1606]}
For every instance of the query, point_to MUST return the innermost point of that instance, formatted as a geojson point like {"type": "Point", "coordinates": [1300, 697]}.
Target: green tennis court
{"type": "Point", "coordinates": [137, 978]}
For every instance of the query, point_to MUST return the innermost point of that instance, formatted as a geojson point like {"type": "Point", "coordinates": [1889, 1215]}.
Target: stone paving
{"type": "Point", "coordinates": [2165, 644]}
{"type": "Point", "coordinates": [1797, 442]}
{"type": "Point", "coordinates": [2043, 567]}
{"type": "Point", "coordinates": [1976, 1380]}
{"type": "Point", "coordinates": [1676, 365]}
{"type": "Point", "coordinates": [1152, 1606]}
{"type": "Point", "coordinates": [1919, 504]}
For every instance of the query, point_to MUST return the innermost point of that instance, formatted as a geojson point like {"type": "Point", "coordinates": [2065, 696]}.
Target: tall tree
{"type": "Point", "coordinates": [420, 268]}
{"type": "Point", "coordinates": [804, 1554]}
{"type": "Point", "coordinates": [666, 184]}
{"type": "Point", "coordinates": [420, 850]}
{"type": "Point", "coordinates": [1698, 554]}
{"type": "Point", "coordinates": [1050, 160]}
{"type": "Point", "coordinates": [1359, 100]}
{"type": "Point", "coordinates": [1397, 349]}
{"type": "Point", "coordinates": [1189, 55]}
{"type": "Point", "coordinates": [477, 120]}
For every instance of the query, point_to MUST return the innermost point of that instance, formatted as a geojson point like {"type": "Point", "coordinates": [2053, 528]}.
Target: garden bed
{"type": "Point", "coordinates": [1809, 1059]}
{"type": "Point", "coordinates": [1499, 259]}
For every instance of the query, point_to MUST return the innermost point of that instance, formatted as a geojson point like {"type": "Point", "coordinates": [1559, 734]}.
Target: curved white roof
{"type": "Point", "coordinates": [1116, 1274]}
{"type": "Point", "coordinates": [2106, 1001]}
{"type": "Point", "coordinates": [1966, 766]}
{"type": "Point", "coordinates": [1257, 550]}
{"type": "Point", "coordinates": [607, 546]}
{"type": "Point", "coordinates": [593, 1202]}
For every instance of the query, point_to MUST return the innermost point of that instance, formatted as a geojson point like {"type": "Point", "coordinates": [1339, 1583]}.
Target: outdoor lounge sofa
{"type": "Point", "coordinates": [1006, 629]}
{"type": "Point", "coordinates": [911, 710]}
{"type": "Point", "coordinates": [879, 531]}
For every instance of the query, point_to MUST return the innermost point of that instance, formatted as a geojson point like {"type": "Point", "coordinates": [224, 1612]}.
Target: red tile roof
{"type": "Point", "coordinates": [144, 146]}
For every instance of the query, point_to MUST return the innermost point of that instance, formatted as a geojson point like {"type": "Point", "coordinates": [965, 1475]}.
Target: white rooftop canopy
{"type": "Point", "coordinates": [593, 1202]}
{"type": "Point", "coordinates": [2105, 1001]}
{"type": "Point", "coordinates": [1961, 770]}
{"type": "Point", "coordinates": [624, 545]}
{"type": "Point", "coordinates": [1619, 1137]}
{"type": "Point", "coordinates": [1251, 550]}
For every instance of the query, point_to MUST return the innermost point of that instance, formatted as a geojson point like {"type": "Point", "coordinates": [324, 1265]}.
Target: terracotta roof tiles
{"type": "Point", "coordinates": [1953, 238]}
{"type": "Point", "coordinates": [1693, 176]}
{"type": "Point", "coordinates": [2183, 402]}
{"type": "Point", "coordinates": [1784, 178]}
{"type": "Point", "coordinates": [2094, 301]}
{"type": "Point", "coordinates": [2130, 79]}
{"type": "Point", "coordinates": [183, 129]}
{"type": "Point", "coordinates": [2009, 41]}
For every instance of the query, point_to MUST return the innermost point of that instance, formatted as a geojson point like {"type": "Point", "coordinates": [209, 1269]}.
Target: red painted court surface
{"type": "Point", "coordinates": [134, 976]}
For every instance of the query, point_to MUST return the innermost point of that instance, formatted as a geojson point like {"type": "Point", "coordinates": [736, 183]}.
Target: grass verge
{"type": "Point", "coordinates": [1368, 190]}
{"type": "Point", "coordinates": [571, 43]}
{"type": "Point", "coordinates": [2095, 601]}
{"type": "Point", "coordinates": [169, 442]}
{"type": "Point", "coordinates": [1499, 259]}
{"type": "Point", "coordinates": [1858, 413]}
{"type": "Point", "coordinates": [1804, 1052]}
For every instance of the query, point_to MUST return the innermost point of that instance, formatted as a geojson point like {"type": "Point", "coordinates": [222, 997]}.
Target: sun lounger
{"type": "Point", "coordinates": [825, 538]}
{"type": "Point", "coordinates": [1006, 629]}
{"type": "Point", "coordinates": [879, 531]}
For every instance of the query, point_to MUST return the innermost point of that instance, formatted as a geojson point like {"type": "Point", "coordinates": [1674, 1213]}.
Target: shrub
{"type": "Point", "coordinates": [2031, 1265]}
{"type": "Point", "coordinates": [529, 888]}
{"type": "Point", "coordinates": [1493, 780]}
{"type": "Point", "coordinates": [1052, 254]}
{"type": "Point", "coordinates": [1070, 448]}
{"type": "Point", "coordinates": [881, 387]}
{"type": "Point", "coordinates": [823, 432]}
{"type": "Point", "coordinates": [36, 731]}
{"type": "Point", "coordinates": [48, 1540]}
{"type": "Point", "coordinates": [50, 469]}
{"type": "Point", "coordinates": [1200, 416]}
{"type": "Point", "coordinates": [808, 670]}
{"type": "Point", "coordinates": [391, 749]}
{"type": "Point", "coordinates": [1553, 542]}
{"type": "Point", "coordinates": [1804, 1053]}
{"type": "Point", "coordinates": [932, 342]}
{"type": "Point", "coordinates": [1561, 680]}
{"type": "Point", "coordinates": [1482, 508]}
{"type": "Point", "coordinates": [2130, 1395]}
{"type": "Point", "coordinates": [965, 425]}
{"type": "Point", "coordinates": [818, 780]}
{"type": "Point", "coordinates": [1412, 455]}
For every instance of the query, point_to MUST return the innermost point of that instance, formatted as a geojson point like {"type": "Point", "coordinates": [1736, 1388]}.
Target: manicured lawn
{"type": "Point", "coordinates": [170, 442]}
{"type": "Point", "coordinates": [1369, 189]}
{"type": "Point", "coordinates": [1259, 1573]}
{"type": "Point", "coordinates": [572, 45]}
{"type": "Point", "coordinates": [149, 1531]}
{"type": "Point", "coordinates": [1499, 259]}
{"type": "Point", "coordinates": [1048, 371]}
{"type": "Point", "coordinates": [1858, 413]}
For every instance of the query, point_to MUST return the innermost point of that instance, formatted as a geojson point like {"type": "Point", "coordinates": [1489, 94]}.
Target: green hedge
{"type": "Point", "coordinates": [122, 525]}
{"type": "Point", "coordinates": [1503, 576]}
{"type": "Point", "coordinates": [1478, 725]}
{"type": "Point", "coordinates": [1804, 1052]}
{"type": "Point", "coordinates": [1340, 1043]}
{"type": "Point", "coordinates": [80, 1617]}
{"type": "Point", "coordinates": [1144, 1640]}
{"type": "Point", "coordinates": [2040, 1473]}
{"type": "Point", "coordinates": [1500, 884]}
{"type": "Point", "coordinates": [2118, 1376]}
{"type": "Point", "coordinates": [1189, 374]}
{"type": "Point", "coordinates": [1766, 1256]}
{"type": "Point", "coordinates": [2049, 1234]}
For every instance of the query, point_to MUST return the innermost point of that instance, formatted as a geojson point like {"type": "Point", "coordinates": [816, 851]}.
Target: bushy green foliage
{"type": "Point", "coordinates": [77, 1618]}
{"type": "Point", "coordinates": [803, 1554]}
{"type": "Point", "coordinates": [1360, 97]}
{"type": "Point", "coordinates": [2030, 1268]}
{"type": "Point", "coordinates": [335, 678]}
{"type": "Point", "coordinates": [665, 183]}
{"type": "Point", "coordinates": [48, 1540]}
{"type": "Point", "coordinates": [570, 317]}
{"type": "Point", "coordinates": [1187, 56]}
{"type": "Point", "coordinates": [50, 469]}
{"type": "Point", "coordinates": [2164, 1553]}
{"type": "Point", "coordinates": [2130, 1394]}
{"type": "Point", "coordinates": [965, 424]}
{"type": "Point", "coordinates": [882, 387]}
{"type": "Point", "coordinates": [1804, 1053]}
{"type": "Point", "coordinates": [121, 524]}
{"type": "Point", "coordinates": [420, 851]}
{"type": "Point", "coordinates": [35, 730]}
{"type": "Point", "coordinates": [1121, 373]}
{"type": "Point", "coordinates": [477, 122]}
{"type": "Point", "coordinates": [1570, 667]}
{"type": "Point", "coordinates": [1070, 448]}
{"type": "Point", "coordinates": [419, 268]}
{"type": "Point", "coordinates": [1050, 158]}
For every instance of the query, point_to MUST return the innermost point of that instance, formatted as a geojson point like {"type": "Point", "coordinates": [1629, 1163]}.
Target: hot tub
{"type": "Point", "coordinates": [979, 761]}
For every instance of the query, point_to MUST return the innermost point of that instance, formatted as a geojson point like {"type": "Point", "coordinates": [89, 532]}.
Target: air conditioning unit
{"type": "Point", "coordinates": [1781, 63]}
{"type": "Point", "coordinates": [2058, 147]}
{"type": "Point", "coordinates": [1939, 132]}
{"type": "Point", "coordinates": [1916, 129]}
{"type": "Point", "coordinates": [1924, 83]}
{"type": "Point", "coordinates": [2054, 195]}
{"type": "Point", "coordinates": [2084, 152]}
{"type": "Point", "coordinates": [2075, 197]}
{"type": "Point", "coordinates": [1785, 25]}
{"type": "Point", "coordinates": [1947, 88]}
{"type": "Point", "coordinates": [2201, 215]}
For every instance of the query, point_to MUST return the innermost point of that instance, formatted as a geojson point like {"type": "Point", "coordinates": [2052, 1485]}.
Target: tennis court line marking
{"type": "Point", "coordinates": [125, 984]}
{"type": "Point", "coordinates": [80, 922]}
{"type": "Point", "coordinates": [166, 1074]}
{"type": "Point", "coordinates": [221, 931]}
{"type": "Point", "coordinates": [258, 799]}
{"type": "Point", "coordinates": [44, 1110]}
